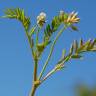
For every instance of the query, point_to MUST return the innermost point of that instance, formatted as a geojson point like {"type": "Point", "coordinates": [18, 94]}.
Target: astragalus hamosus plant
{"type": "Point", "coordinates": [67, 20]}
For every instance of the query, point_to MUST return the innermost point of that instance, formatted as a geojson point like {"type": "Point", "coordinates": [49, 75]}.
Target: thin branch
{"type": "Point", "coordinates": [29, 43]}
{"type": "Point", "coordinates": [51, 51]}
{"type": "Point", "coordinates": [48, 75]}
{"type": "Point", "coordinates": [55, 69]}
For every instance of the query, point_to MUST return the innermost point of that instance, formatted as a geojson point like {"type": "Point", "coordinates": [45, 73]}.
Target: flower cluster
{"type": "Point", "coordinates": [41, 19]}
{"type": "Point", "coordinates": [68, 18]}
{"type": "Point", "coordinates": [72, 18]}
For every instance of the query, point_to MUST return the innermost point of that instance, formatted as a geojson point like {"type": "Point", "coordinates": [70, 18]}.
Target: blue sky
{"type": "Point", "coordinates": [16, 66]}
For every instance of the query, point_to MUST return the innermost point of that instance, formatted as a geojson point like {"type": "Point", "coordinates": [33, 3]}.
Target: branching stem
{"type": "Point", "coordinates": [51, 51]}
{"type": "Point", "coordinates": [48, 75]}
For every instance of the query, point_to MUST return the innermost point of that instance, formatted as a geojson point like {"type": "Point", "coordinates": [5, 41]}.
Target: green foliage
{"type": "Point", "coordinates": [55, 24]}
{"type": "Point", "coordinates": [40, 47]}
{"type": "Point", "coordinates": [32, 31]}
{"type": "Point", "coordinates": [76, 50]}
{"type": "Point", "coordinates": [65, 19]}
{"type": "Point", "coordinates": [18, 14]}
{"type": "Point", "coordinates": [86, 91]}
{"type": "Point", "coordinates": [51, 28]}
{"type": "Point", "coordinates": [30, 39]}
{"type": "Point", "coordinates": [48, 32]}
{"type": "Point", "coordinates": [74, 28]}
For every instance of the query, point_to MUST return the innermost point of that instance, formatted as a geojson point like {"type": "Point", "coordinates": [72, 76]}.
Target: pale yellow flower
{"type": "Point", "coordinates": [72, 18]}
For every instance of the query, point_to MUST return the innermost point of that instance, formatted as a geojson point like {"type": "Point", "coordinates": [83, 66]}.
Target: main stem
{"type": "Point", "coordinates": [34, 87]}
{"type": "Point", "coordinates": [33, 91]}
{"type": "Point", "coordinates": [35, 70]}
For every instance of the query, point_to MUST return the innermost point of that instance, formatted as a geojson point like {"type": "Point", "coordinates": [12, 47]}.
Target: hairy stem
{"type": "Point", "coordinates": [51, 51]}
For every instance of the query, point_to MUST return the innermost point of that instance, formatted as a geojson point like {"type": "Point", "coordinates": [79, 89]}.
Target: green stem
{"type": "Point", "coordinates": [51, 51]}
{"type": "Point", "coordinates": [29, 43]}
{"type": "Point", "coordinates": [33, 91]}
{"type": "Point", "coordinates": [34, 87]}
{"type": "Point", "coordinates": [37, 33]}
{"type": "Point", "coordinates": [36, 59]}
{"type": "Point", "coordinates": [48, 75]}
{"type": "Point", "coordinates": [35, 69]}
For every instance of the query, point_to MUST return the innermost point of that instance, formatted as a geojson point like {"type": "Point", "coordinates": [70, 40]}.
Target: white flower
{"type": "Point", "coordinates": [41, 19]}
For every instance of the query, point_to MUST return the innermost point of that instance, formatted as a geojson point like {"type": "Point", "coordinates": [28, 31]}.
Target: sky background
{"type": "Point", "coordinates": [16, 65]}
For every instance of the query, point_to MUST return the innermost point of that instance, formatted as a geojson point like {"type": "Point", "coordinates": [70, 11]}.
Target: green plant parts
{"type": "Point", "coordinates": [68, 20]}
{"type": "Point", "coordinates": [83, 90]}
